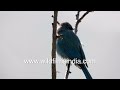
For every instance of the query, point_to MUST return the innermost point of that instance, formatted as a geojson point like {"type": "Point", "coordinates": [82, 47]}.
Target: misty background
{"type": "Point", "coordinates": [27, 35]}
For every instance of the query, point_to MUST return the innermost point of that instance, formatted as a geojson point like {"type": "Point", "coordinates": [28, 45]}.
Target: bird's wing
{"type": "Point", "coordinates": [72, 46]}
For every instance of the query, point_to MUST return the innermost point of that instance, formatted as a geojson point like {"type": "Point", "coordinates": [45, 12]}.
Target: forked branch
{"type": "Point", "coordinates": [79, 19]}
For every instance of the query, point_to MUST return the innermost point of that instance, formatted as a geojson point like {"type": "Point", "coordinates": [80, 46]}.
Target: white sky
{"type": "Point", "coordinates": [27, 35]}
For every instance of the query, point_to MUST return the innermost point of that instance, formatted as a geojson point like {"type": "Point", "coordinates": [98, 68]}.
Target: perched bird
{"type": "Point", "coordinates": [69, 47]}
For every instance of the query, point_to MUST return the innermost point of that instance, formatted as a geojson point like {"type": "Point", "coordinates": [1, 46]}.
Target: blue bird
{"type": "Point", "coordinates": [69, 47]}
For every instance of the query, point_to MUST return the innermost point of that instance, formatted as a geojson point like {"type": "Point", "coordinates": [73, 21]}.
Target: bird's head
{"type": "Point", "coordinates": [66, 26]}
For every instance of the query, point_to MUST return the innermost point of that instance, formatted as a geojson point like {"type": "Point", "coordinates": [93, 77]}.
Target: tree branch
{"type": "Point", "coordinates": [77, 15]}
{"type": "Point", "coordinates": [68, 70]}
{"type": "Point", "coordinates": [57, 21]}
{"type": "Point", "coordinates": [80, 19]}
{"type": "Point", "coordinates": [54, 25]}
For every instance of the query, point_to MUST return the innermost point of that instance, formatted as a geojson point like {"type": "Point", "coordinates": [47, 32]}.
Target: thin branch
{"type": "Point", "coordinates": [57, 21]}
{"type": "Point", "coordinates": [68, 70]}
{"type": "Point", "coordinates": [77, 15]}
{"type": "Point", "coordinates": [54, 24]}
{"type": "Point", "coordinates": [80, 19]}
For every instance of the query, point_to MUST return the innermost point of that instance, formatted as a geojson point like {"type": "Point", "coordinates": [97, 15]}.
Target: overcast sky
{"type": "Point", "coordinates": [27, 35]}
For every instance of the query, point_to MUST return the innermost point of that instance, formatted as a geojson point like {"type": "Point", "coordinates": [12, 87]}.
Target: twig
{"type": "Point", "coordinates": [68, 70]}
{"type": "Point", "coordinates": [80, 19]}
{"type": "Point", "coordinates": [54, 24]}
{"type": "Point", "coordinates": [57, 21]}
{"type": "Point", "coordinates": [77, 15]}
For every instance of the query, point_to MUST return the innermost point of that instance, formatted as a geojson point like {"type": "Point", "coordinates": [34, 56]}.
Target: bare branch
{"type": "Point", "coordinates": [77, 15]}
{"type": "Point", "coordinates": [54, 25]}
{"type": "Point", "coordinates": [68, 70]}
{"type": "Point", "coordinates": [80, 19]}
{"type": "Point", "coordinates": [57, 21]}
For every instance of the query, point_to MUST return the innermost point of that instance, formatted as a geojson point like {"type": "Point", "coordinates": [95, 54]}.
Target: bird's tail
{"type": "Point", "coordinates": [85, 71]}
